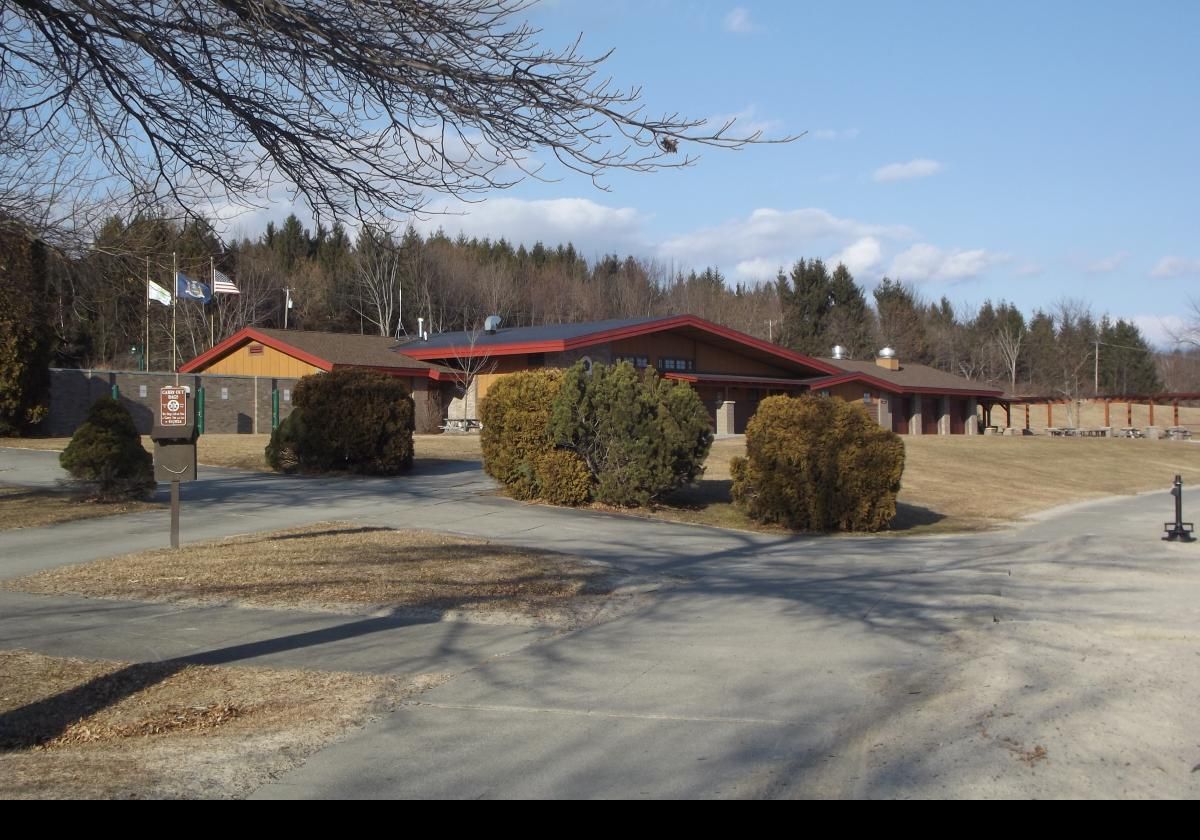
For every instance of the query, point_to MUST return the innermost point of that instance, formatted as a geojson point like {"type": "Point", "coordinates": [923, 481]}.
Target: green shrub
{"type": "Point", "coordinates": [818, 464]}
{"type": "Point", "coordinates": [106, 451]}
{"type": "Point", "coordinates": [515, 413]}
{"type": "Point", "coordinates": [640, 437]}
{"type": "Point", "coordinates": [347, 420]}
{"type": "Point", "coordinates": [562, 478]}
{"type": "Point", "coordinates": [281, 450]}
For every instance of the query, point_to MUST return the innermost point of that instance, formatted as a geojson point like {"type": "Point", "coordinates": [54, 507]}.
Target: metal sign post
{"type": "Point", "coordinates": [1178, 530]}
{"type": "Point", "coordinates": [174, 437]}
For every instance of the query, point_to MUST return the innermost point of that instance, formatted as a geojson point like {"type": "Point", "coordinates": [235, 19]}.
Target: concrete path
{"type": "Point", "coordinates": [765, 667]}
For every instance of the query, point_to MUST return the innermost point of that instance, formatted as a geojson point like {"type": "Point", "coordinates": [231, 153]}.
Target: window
{"type": "Point", "coordinates": [224, 393]}
{"type": "Point", "coordinates": [675, 364]}
{"type": "Point", "coordinates": [287, 394]}
{"type": "Point", "coordinates": [638, 362]}
{"type": "Point", "coordinates": [141, 390]}
{"type": "Point", "coordinates": [535, 360]}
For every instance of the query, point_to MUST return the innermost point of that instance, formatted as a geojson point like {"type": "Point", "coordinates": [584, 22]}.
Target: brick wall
{"type": "Point", "coordinates": [232, 404]}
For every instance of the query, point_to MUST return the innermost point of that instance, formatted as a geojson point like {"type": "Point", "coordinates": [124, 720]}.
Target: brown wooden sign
{"type": "Point", "coordinates": [172, 408]}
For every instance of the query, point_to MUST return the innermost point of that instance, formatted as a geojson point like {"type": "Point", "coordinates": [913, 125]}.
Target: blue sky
{"type": "Point", "coordinates": [1024, 151]}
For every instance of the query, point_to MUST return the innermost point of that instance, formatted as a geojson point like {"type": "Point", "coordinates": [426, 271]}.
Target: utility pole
{"type": "Point", "coordinates": [1096, 383]}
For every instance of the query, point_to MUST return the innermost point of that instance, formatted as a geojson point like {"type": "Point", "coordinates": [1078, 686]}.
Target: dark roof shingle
{"type": "Point", "coordinates": [341, 349]}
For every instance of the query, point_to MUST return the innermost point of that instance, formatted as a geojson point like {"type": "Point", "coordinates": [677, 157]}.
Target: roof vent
{"type": "Point", "coordinates": [887, 359]}
{"type": "Point", "coordinates": [491, 324]}
{"type": "Point", "coordinates": [839, 352]}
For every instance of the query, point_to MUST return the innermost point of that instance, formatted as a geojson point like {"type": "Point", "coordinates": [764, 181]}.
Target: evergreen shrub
{"type": "Point", "coordinates": [106, 452]}
{"type": "Point", "coordinates": [818, 464]}
{"type": "Point", "coordinates": [347, 420]}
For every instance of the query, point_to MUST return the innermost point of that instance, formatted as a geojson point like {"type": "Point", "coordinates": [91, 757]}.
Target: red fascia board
{"type": "Point", "coordinates": [893, 388]}
{"type": "Point", "coordinates": [250, 334]}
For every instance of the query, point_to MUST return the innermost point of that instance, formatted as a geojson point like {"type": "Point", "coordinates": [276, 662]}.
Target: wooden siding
{"type": "Point", "coordinates": [270, 362]}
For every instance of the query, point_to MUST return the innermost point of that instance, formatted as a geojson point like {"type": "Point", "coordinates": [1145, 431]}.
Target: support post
{"type": "Point", "coordinates": [1106, 407]}
{"type": "Point", "coordinates": [1175, 412]}
{"type": "Point", "coordinates": [1026, 416]}
{"type": "Point", "coordinates": [1178, 530]}
{"type": "Point", "coordinates": [174, 514]}
{"type": "Point", "coordinates": [1049, 414]}
{"type": "Point", "coordinates": [1151, 412]}
{"type": "Point", "coordinates": [274, 409]}
{"type": "Point", "coordinates": [1129, 414]}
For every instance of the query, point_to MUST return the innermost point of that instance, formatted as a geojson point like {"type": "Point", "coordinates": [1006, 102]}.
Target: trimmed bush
{"type": "Point", "coordinates": [515, 413]}
{"type": "Point", "coordinates": [818, 464]}
{"type": "Point", "coordinates": [106, 451]}
{"type": "Point", "coordinates": [640, 437]}
{"type": "Point", "coordinates": [349, 420]}
{"type": "Point", "coordinates": [562, 478]}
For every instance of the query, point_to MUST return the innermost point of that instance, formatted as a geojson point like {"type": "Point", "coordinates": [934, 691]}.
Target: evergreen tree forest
{"type": "Point", "coordinates": [381, 282]}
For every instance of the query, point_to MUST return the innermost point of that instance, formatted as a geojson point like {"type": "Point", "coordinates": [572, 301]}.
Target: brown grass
{"type": "Point", "coordinates": [246, 452]}
{"type": "Point", "coordinates": [341, 567]}
{"type": "Point", "coordinates": [72, 728]}
{"type": "Point", "coordinates": [970, 483]}
{"type": "Point", "coordinates": [28, 508]}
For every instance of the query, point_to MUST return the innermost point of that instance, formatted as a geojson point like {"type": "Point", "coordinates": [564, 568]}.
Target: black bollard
{"type": "Point", "coordinates": [1178, 530]}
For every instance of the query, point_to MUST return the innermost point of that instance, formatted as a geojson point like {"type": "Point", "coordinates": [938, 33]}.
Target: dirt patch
{"type": "Point", "coordinates": [72, 728]}
{"type": "Point", "coordinates": [29, 508]}
{"type": "Point", "coordinates": [342, 567]}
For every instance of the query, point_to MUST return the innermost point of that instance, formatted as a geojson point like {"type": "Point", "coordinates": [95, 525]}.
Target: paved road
{"type": "Point", "coordinates": [765, 666]}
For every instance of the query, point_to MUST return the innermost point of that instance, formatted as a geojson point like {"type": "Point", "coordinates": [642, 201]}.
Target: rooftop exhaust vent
{"type": "Point", "coordinates": [491, 324]}
{"type": "Point", "coordinates": [839, 352]}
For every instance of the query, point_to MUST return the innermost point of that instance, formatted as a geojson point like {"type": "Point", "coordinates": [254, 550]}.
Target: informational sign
{"type": "Point", "coordinates": [172, 409]}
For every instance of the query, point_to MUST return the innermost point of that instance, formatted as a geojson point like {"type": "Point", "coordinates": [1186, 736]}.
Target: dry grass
{"type": "Point", "coordinates": [73, 728]}
{"type": "Point", "coordinates": [969, 483]}
{"type": "Point", "coordinates": [246, 452]}
{"type": "Point", "coordinates": [28, 508]}
{"type": "Point", "coordinates": [342, 567]}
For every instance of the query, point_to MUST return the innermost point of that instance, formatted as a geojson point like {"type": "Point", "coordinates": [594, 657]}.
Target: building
{"type": "Point", "coordinates": [277, 358]}
{"type": "Point", "coordinates": [731, 371]}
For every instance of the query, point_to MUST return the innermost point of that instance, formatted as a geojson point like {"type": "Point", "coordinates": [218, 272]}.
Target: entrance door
{"type": "Point", "coordinates": [929, 415]}
{"type": "Point", "coordinates": [958, 417]}
{"type": "Point", "coordinates": [900, 413]}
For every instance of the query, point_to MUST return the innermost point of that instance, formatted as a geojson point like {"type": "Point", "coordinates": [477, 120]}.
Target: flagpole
{"type": "Point", "coordinates": [174, 306]}
{"type": "Point", "coordinates": [146, 346]}
{"type": "Point", "coordinates": [212, 317]}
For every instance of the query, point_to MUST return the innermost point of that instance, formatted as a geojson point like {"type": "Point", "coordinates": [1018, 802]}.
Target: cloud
{"type": "Point", "coordinates": [747, 122]}
{"type": "Point", "coordinates": [927, 262]}
{"type": "Point", "coordinates": [1106, 265]}
{"type": "Point", "coordinates": [920, 168]}
{"type": "Point", "coordinates": [860, 256]}
{"type": "Point", "coordinates": [778, 237]}
{"type": "Point", "coordinates": [593, 228]}
{"type": "Point", "coordinates": [1029, 270]}
{"type": "Point", "coordinates": [835, 134]}
{"type": "Point", "coordinates": [1160, 330]}
{"type": "Point", "coordinates": [738, 20]}
{"type": "Point", "coordinates": [756, 270]}
{"type": "Point", "coordinates": [1176, 267]}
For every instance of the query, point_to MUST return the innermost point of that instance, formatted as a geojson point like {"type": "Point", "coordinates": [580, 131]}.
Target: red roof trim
{"type": "Point", "coordinates": [250, 334]}
{"type": "Point", "coordinates": [616, 334]}
{"type": "Point", "coordinates": [893, 388]}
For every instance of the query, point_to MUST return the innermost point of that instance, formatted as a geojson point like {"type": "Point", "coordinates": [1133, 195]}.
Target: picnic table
{"type": "Point", "coordinates": [460, 424]}
{"type": "Point", "coordinates": [1179, 433]}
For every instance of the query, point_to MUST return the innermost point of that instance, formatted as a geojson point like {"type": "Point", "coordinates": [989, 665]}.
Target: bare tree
{"type": "Point", "coordinates": [377, 280]}
{"type": "Point", "coordinates": [364, 108]}
{"type": "Point", "coordinates": [1009, 338]}
{"type": "Point", "coordinates": [467, 366]}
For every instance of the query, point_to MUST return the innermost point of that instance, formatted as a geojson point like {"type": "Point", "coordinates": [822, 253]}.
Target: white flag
{"type": "Point", "coordinates": [222, 285]}
{"type": "Point", "coordinates": [158, 293]}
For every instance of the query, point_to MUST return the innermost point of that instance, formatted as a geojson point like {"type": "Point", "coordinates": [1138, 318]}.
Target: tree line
{"type": "Point", "coordinates": [385, 282]}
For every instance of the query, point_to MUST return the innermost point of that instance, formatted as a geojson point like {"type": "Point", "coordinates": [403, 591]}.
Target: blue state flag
{"type": "Point", "coordinates": [189, 289]}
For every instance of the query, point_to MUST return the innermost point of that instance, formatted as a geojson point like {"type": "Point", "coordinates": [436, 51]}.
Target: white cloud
{"type": "Point", "coordinates": [1106, 265]}
{"type": "Point", "coordinates": [920, 168]}
{"type": "Point", "coordinates": [738, 20]}
{"type": "Point", "coordinates": [860, 256]}
{"type": "Point", "coordinates": [927, 262]}
{"type": "Point", "coordinates": [1176, 267]}
{"type": "Point", "coordinates": [1160, 330]}
{"type": "Point", "coordinates": [777, 236]}
{"type": "Point", "coordinates": [1029, 270]}
{"type": "Point", "coordinates": [835, 134]}
{"type": "Point", "coordinates": [756, 270]}
{"type": "Point", "coordinates": [747, 122]}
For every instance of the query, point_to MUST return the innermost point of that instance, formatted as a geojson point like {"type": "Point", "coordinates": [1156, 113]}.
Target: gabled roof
{"type": "Point", "coordinates": [555, 338]}
{"type": "Point", "coordinates": [324, 350]}
{"type": "Point", "coordinates": [909, 379]}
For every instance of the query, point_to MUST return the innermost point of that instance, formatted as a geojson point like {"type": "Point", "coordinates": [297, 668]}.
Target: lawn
{"type": "Point", "coordinates": [22, 507]}
{"type": "Point", "coordinates": [72, 728]}
{"type": "Point", "coordinates": [348, 568]}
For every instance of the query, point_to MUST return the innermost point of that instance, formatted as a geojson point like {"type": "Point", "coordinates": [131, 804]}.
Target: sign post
{"type": "Point", "coordinates": [174, 436]}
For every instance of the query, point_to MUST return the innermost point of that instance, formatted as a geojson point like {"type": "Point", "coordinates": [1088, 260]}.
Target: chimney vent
{"type": "Point", "coordinates": [839, 352]}
{"type": "Point", "coordinates": [887, 359]}
{"type": "Point", "coordinates": [491, 324]}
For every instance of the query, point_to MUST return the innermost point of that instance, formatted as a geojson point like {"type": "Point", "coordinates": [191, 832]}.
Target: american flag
{"type": "Point", "coordinates": [222, 285]}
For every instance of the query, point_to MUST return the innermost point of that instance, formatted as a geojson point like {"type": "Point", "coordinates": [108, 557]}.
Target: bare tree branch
{"type": "Point", "coordinates": [364, 108]}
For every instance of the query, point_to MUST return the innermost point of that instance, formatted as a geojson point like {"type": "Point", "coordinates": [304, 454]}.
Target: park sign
{"type": "Point", "coordinates": [172, 406]}
{"type": "Point", "coordinates": [174, 437]}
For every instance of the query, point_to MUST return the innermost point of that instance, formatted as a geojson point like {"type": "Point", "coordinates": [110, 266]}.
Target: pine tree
{"type": "Point", "coordinates": [849, 322]}
{"type": "Point", "coordinates": [805, 296]}
{"type": "Point", "coordinates": [25, 337]}
{"type": "Point", "coordinates": [901, 325]}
